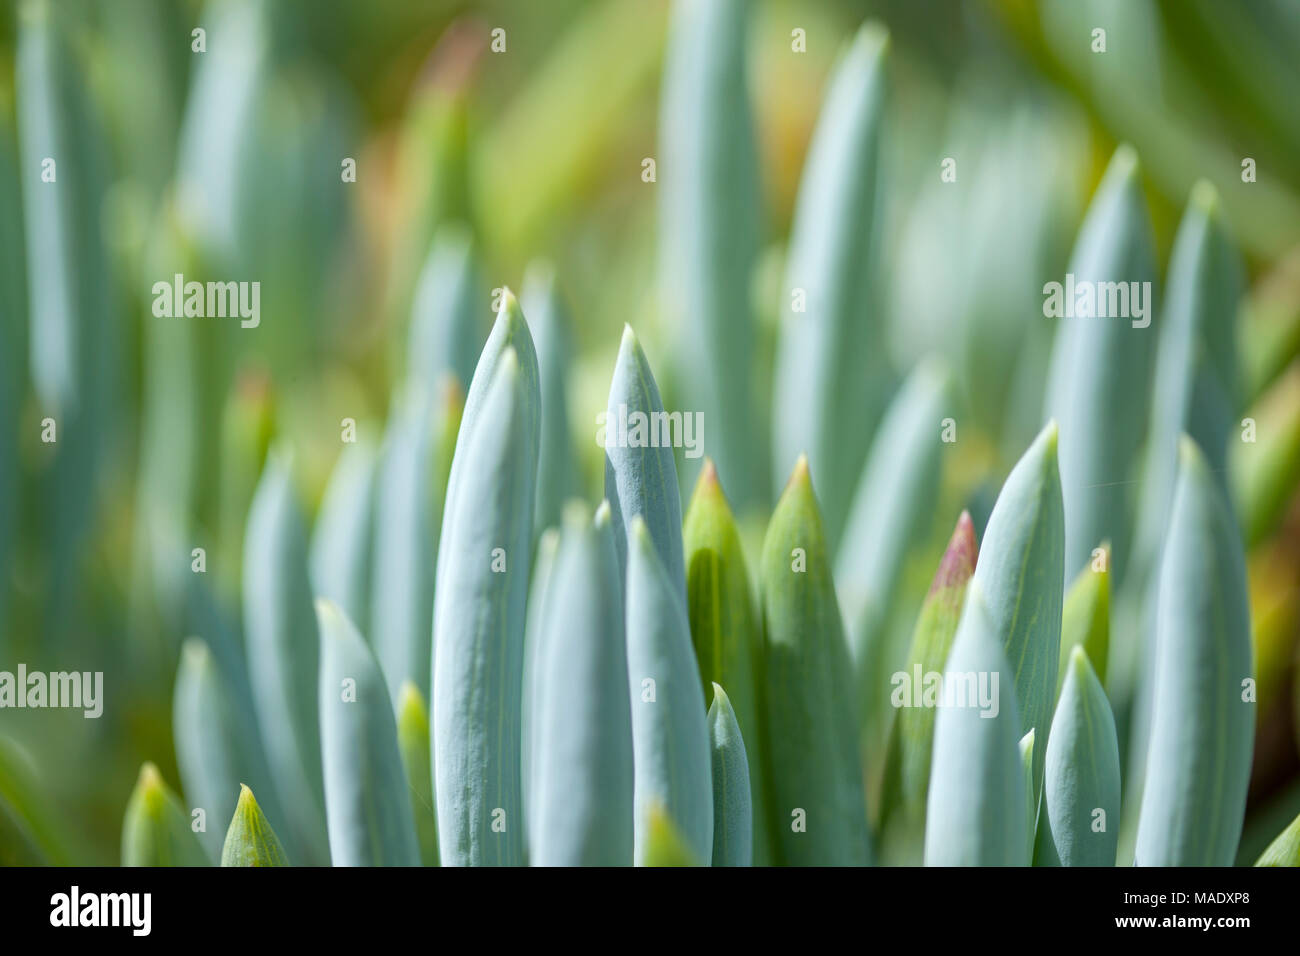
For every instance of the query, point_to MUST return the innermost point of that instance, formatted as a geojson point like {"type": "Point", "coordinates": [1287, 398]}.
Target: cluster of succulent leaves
{"type": "Point", "coordinates": [461, 664]}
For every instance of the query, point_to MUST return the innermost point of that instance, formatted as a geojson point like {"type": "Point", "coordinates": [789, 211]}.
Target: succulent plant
{"type": "Point", "coordinates": [481, 641]}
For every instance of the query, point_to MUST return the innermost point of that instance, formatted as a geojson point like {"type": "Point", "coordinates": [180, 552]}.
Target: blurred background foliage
{"type": "Point", "coordinates": [226, 165]}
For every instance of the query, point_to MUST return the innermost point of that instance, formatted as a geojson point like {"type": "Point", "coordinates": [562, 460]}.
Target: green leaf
{"type": "Point", "coordinates": [1020, 577]}
{"type": "Point", "coordinates": [664, 843]}
{"type": "Point", "coordinates": [710, 215]}
{"type": "Point", "coordinates": [1202, 731]}
{"type": "Point", "coordinates": [724, 627]}
{"type": "Point", "coordinates": [250, 841]}
{"type": "Point", "coordinates": [893, 510]}
{"type": "Point", "coordinates": [431, 174]}
{"type": "Point", "coordinates": [340, 557]}
{"type": "Point", "coordinates": [640, 477]}
{"type": "Point", "coordinates": [1285, 850]}
{"type": "Point", "coordinates": [550, 323]}
{"type": "Point", "coordinates": [581, 810]}
{"type": "Point", "coordinates": [1100, 376]}
{"type": "Point", "coordinates": [367, 805]}
{"type": "Point", "coordinates": [479, 614]}
{"type": "Point", "coordinates": [1085, 617]}
{"type": "Point", "coordinates": [1082, 774]}
{"type": "Point", "coordinates": [29, 833]}
{"type": "Point", "coordinates": [733, 825]}
{"type": "Point", "coordinates": [156, 829]}
{"type": "Point", "coordinates": [446, 331]}
{"type": "Point", "coordinates": [907, 767]}
{"type": "Point", "coordinates": [1266, 472]}
{"type": "Point", "coordinates": [831, 355]}
{"type": "Point", "coordinates": [216, 743]}
{"type": "Point", "coordinates": [283, 652]}
{"type": "Point", "coordinates": [976, 813]}
{"type": "Point", "coordinates": [74, 340]}
{"type": "Point", "coordinates": [670, 735]}
{"type": "Point", "coordinates": [13, 364]}
{"type": "Point", "coordinates": [815, 797]}
{"type": "Point", "coordinates": [416, 747]}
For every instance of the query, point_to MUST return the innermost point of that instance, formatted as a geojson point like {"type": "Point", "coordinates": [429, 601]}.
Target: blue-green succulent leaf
{"type": "Point", "coordinates": [733, 827]}
{"type": "Point", "coordinates": [581, 810]}
{"type": "Point", "coordinates": [710, 214]}
{"type": "Point", "coordinates": [1203, 719]}
{"type": "Point", "coordinates": [831, 354]}
{"type": "Point", "coordinates": [669, 731]}
{"type": "Point", "coordinates": [640, 476]}
{"type": "Point", "coordinates": [479, 617]}
{"type": "Point", "coordinates": [1020, 578]}
{"type": "Point", "coordinates": [367, 805]}
{"type": "Point", "coordinates": [976, 814]}
{"type": "Point", "coordinates": [1081, 786]}
{"type": "Point", "coordinates": [283, 651]}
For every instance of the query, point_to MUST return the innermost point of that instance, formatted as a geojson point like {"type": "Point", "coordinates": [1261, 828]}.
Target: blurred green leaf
{"type": "Point", "coordinates": [416, 746]}
{"type": "Point", "coordinates": [156, 829]}
{"type": "Point", "coordinates": [830, 355]}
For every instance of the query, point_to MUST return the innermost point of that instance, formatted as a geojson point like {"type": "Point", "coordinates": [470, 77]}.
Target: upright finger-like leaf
{"type": "Point", "coordinates": [1285, 850]}
{"type": "Point", "coordinates": [13, 365]}
{"type": "Point", "coordinates": [1081, 788]}
{"type": "Point", "coordinates": [156, 828]}
{"type": "Point", "coordinates": [538, 588]}
{"type": "Point", "coordinates": [367, 804]}
{"type": "Point", "coordinates": [446, 331]}
{"type": "Point", "coordinates": [509, 332]}
{"type": "Point", "coordinates": [669, 731]}
{"type": "Point", "coordinates": [1195, 389]}
{"type": "Point", "coordinates": [907, 768]}
{"type": "Point", "coordinates": [733, 826]}
{"type": "Point", "coordinates": [1019, 575]}
{"type": "Point", "coordinates": [831, 355]}
{"type": "Point", "coordinates": [250, 841]}
{"type": "Point", "coordinates": [479, 619]}
{"type": "Point", "coordinates": [582, 810]}
{"type": "Point", "coordinates": [640, 477]}
{"type": "Point", "coordinates": [215, 746]}
{"type": "Point", "coordinates": [1026, 747]}
{"type": "Point", "coordinates": [710, 229]}
{"type": "Point", "coordinates": [73, 339]}
{"type": "Point", "coordinates": [1202, 730]}
{"type": "Point", "coordinates": [407, 528]}
{"type": "Point", "coordinates": [549, 323]}
{"type": "Point", "coordinates": [1266, 471]}
{"type": "Point", "coordinates": [892, 510]}
{"type": "Point", "coordinates": [815, 797]}
{"type": "Point", "coordinates": [416, 746]}
{"type": "Point", "coordinates": [724, 627]}
{"type": "Point", "coordinates": [1100, 377]}
{"type": "Point", "coordinates": [1085, 617]}
{"type": "Point", "coordinates": [284, 651]}
{"type": "Point", "coordinates": [975, 813]}
{"type": "Point", "coordinates": [340, 557]}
